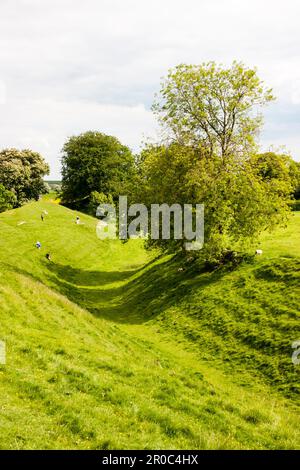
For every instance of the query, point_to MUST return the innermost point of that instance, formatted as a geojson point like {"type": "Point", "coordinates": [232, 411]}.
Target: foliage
{"type": "Point", "coordinates": [54, 185]}
{"type": "Point", "coordinates": [279, 166]}
{"type": "Point", "coordinates": [7, 199]}
{"type": "Point", "coordinates": [296, 205]}
{"type": "Point", "coordinates": [96, 199]}
{"type": "Point", "coordinates": [213, 106]}
{"type": "Point", "coordinates": [94, 162]}
{"type": "Point", "coordinates": [164, 359]}
{"type": "Point", "coordinates": [211, 117]}
{"type": "Point", "coordinates": [295, 175]}
{"type": "Point", "coordinates": [47, 188]}
{"type": "Point", "coordinates": [22, 172]}
{"type": "Point", "coordinates": [241, 199]}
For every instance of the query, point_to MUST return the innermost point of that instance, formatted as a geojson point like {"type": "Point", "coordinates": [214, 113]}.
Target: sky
{"type": "Point", "coordinates": [68, 66]}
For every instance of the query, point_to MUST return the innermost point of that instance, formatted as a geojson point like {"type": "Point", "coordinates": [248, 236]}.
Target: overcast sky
{"type": "Point", "coordinates": [68, 66]}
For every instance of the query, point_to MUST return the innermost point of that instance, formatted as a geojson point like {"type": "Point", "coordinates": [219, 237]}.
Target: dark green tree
{"type": "Point", "coordinates": [93, 161]}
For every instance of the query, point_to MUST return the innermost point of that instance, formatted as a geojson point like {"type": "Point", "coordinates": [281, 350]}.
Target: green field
{"type": "Point", "coordinates": [109, 346]}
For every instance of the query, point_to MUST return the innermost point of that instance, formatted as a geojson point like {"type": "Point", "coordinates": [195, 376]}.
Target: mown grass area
{"type": "Point", "coordinates": [111, 347]}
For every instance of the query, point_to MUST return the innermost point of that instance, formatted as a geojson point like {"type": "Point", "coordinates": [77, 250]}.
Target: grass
{"type": "Point", "coordinates": [111, 347]}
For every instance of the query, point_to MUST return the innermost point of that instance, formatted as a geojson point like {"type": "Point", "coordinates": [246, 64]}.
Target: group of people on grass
{"type": "Point", "coordinates": [38, 243]}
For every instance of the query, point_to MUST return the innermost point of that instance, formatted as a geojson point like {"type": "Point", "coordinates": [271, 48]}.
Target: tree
{"type": "Point", "coordinates": [96, 199]}
{"type": "Point", "coordinates": [22, 172]}
{"type": "Point", "coordinates": [271, 166]}
{"type": "Point", "coordinates": [295, 175]}
{"type": "Point", "coordinates": [7, 199]}
{"type": "Point", "coordinates": [47, 188]}
{"type": "Point", "coordinates": [94, 162]}
{"type": "Point", "coordinates": [213, 106]}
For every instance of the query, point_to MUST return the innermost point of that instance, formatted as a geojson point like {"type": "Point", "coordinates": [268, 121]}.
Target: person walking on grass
{"type": "Point", "coordinates": [38, 245]}
{"type": "Point", "coordinates": [42, 217]}
{"type": "Point", "coordinates": [48, 256]}
{"type": "Point", "coordinates": [77, 220]}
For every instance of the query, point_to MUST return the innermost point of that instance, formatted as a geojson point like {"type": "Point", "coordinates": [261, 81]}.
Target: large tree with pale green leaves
{"type": "Point", "coordinates": [7, 199]}
{"type": "Point", "coordinates": [213, 106]}
{"type": "Point", "coordinates": [22, 173]}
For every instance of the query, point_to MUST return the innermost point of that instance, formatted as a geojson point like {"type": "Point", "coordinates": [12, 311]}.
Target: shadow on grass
{"type": "Point", "coordinates": [138, 296]}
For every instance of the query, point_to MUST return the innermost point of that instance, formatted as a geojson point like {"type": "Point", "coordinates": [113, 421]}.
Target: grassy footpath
{"type": "Point", "coordinates": [108, 347]}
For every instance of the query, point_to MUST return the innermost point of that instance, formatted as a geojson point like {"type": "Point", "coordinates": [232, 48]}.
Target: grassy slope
{"type": "Point", "coordinates": [107, 348]}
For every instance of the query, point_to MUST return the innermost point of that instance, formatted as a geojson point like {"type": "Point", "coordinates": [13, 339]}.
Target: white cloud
{"type": "Point", "coordinates": [69, 65]}
{"type": "Point", "coordinates": [45, 124]}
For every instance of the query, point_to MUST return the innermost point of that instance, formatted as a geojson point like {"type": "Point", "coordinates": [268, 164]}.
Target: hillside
{"type": "Point", "coordinates": [109, 346]}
